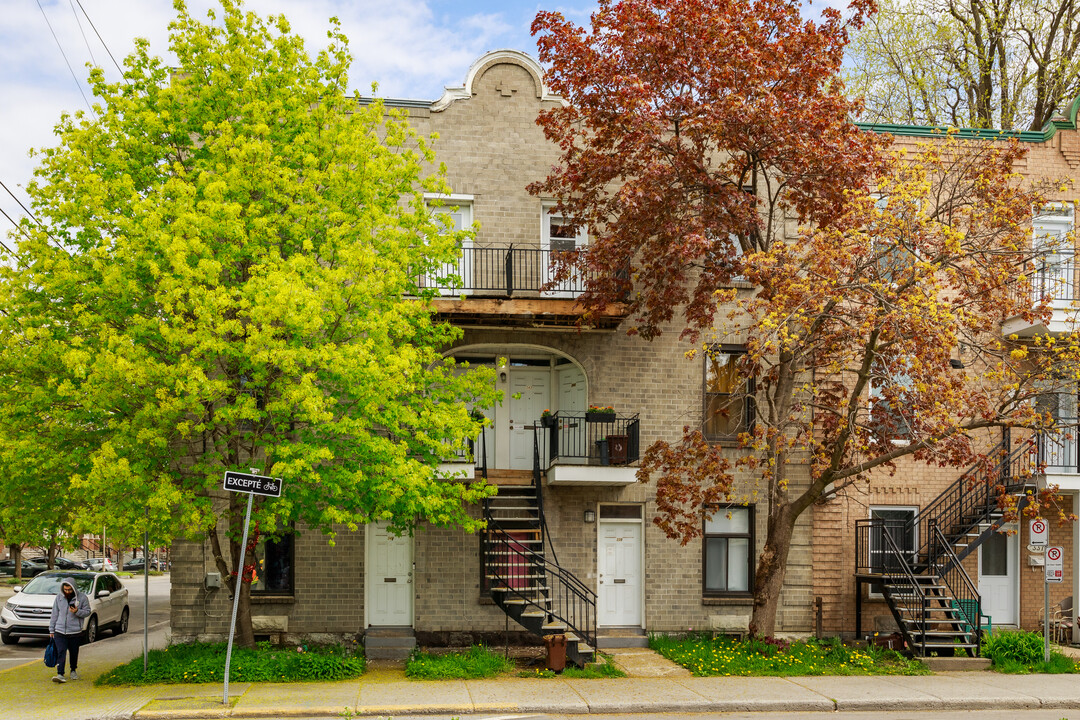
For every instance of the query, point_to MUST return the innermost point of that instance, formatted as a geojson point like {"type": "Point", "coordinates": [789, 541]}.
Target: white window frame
{"type": "Point", "coordinates": [1056, 267]}
{"type": "Point", "coordinates": [447, 204]}
{"type": "Point", "coordinates": [547, 214]}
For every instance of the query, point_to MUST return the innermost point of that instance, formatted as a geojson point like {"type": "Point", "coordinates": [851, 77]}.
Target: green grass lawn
{"type": "Point", "coordinates": [708, 657]}
{"type": "Point", "coordinates": [205, 663]}
{"type": "Point", "coordinates": [1018, 652]}
{"type": "Point", "coordinates": [476, 662]}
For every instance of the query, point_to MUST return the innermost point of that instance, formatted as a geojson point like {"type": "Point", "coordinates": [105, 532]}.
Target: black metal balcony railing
{"type": "Point", "coordinates": [592, 439]}
{"type": "Point", "coordinates": [1057, 447]}
{"type": "Point", "coordinates": [1053, 278]}
{"type": "Point", "coordinates": [501, 271]}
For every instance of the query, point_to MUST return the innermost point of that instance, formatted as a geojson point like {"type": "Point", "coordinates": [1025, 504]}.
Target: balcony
{"type": "Point", "coordinates": [586, 450]}
{"type": "Point", "coordinates": [1054, 281]}
{"type": "Point", "coordinates": [1058, 455]}
{"type": "Point", "coordinates": [516, 286]}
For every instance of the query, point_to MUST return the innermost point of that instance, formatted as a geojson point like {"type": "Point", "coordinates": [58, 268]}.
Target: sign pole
{"type": "Point", "coordinates": [1046, 619]}
{"type": "Point", "coordinates": [236, 598]}
{"type": "Point", "coordinates": [146, 594]}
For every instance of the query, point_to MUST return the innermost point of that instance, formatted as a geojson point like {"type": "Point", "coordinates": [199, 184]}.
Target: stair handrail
{"type": "Point", "coordinates": [538, 487]}
{"type": "Point", "coordinates": [893, 551]}
{"type": "Point", "coordinates": [571, 601]}
{"type": "Point", "coordinates": [958, 583]}
{"type": "Point", "coordinates": [973, 493]}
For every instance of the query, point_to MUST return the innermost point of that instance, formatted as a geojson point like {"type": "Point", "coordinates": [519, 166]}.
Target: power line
{"type": "Point", "coordinates": [79, 3]}
{"type": "Point", "coordinates": [29, 214]}
{"type": "Point", "coordinates": [85, 41]}
{"type": "Point", "coordinates": [64, 54]}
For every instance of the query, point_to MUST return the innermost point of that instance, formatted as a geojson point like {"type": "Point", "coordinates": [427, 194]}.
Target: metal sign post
{"type": "Point", "coordinates": [146, 594]}
{"type": "Point", "coordinates": [1054, 573]}
{"type": "Point", "coordinates": [253, 485]}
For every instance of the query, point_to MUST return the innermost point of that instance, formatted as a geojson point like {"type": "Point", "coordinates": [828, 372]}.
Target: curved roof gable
{"type": "Point", "coordinates": [482, 64]}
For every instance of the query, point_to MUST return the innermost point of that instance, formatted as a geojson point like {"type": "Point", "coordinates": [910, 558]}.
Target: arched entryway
{"type": "Point", "coordinates": [532, 379]}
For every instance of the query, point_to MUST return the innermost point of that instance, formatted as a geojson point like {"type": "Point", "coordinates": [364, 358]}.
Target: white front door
{"type": "Point", "coordinates": [389, 578]}
{"type": "Point", "coordinates": [530, 395]}
{"type": "Point", "coordinates": [998, 578]}
{"type": "Point", "coordinates": [619, 590]}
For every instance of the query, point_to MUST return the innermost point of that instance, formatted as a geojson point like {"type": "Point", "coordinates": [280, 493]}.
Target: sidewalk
{"type": "Point", "coordinates": [30, 695]}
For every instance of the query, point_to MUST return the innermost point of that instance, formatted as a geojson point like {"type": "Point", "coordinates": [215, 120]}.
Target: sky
{"type": "Point", "coordinates": [412, 48]}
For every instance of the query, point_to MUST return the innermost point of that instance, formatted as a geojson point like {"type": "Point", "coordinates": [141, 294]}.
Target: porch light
{"type": "Point", "coordinates": [590, 516]}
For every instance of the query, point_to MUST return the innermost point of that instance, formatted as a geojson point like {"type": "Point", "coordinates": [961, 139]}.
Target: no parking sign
{"type": "Point", "coordinates": [1055, 566]}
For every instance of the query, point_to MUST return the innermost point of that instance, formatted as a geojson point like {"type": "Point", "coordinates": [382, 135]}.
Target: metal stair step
{"type": "Point", "coordinates": [554, 628]}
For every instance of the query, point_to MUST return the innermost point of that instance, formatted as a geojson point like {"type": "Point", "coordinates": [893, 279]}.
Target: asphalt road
{"type": "Point", "coordinates": [118, 648]}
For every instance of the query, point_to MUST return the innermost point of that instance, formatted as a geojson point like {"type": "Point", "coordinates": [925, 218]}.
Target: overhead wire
{"type": "Point", "coordinates": [102, 40]}
{"type": "Point", "coordinates": [85, 41]}
{"type": "Point", "coordinates": [64, 54]}
{"type": "Point", "coordinates": [30, 215]}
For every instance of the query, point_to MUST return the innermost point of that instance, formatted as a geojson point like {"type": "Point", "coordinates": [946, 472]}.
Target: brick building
{"type": "Point", "coordinates": [571, 525]}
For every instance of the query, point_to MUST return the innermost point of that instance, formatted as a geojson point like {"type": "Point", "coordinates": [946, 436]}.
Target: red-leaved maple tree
{"type": "Point", "coordinates": [710, 141]}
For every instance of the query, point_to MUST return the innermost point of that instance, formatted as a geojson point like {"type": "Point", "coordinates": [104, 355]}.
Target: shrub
{"type": "Point", "coordinates": [1023, 648]}
{"type": "Point", "coordinates": [476, 662]}
{"type": "Point", "coordinates": [205, 663]}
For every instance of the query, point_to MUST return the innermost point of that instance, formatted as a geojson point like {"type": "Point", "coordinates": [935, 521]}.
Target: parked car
{"type": "Point", "coordinates": [60, 563]}
{"type": "Point", "coordinates": [137, 564]}
{"type": "Point", "coordinates": [95, 564]}
{"type": "Point", "coordinates": [30, 568]}
{"type": "Point", "coordinates": [27, 613]}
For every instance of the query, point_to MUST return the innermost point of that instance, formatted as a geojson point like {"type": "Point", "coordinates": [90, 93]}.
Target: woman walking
{"type": "Point", "coordinates": [65, 626]}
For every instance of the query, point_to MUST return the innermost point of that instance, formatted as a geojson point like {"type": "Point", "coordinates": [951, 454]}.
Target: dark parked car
{"type": "Point", "coordinates": [137, 564]}
{"type": "Point", "coordinates": [30, 568]}
{"type": "Point", "coordinates": [61, 563]}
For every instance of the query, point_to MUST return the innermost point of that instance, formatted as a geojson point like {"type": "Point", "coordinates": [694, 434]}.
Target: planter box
{"type": "Point", "coordinates": [599, 417]}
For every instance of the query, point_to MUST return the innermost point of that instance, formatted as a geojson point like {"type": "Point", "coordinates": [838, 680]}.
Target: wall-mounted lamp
{"type": "Point", "coordinates": [502, 376]}
{"type": "Point", "coordinates": [956, 364]}
{"type": "Point", "coordinates": [590, 516]}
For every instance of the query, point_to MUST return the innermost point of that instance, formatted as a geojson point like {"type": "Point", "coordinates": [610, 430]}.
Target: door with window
{"type": "Point", "coordinates": [453, 278]}
{"type": "Point", "coordinates": [530, 395]}
{"type": "Point", "coordinates": [898, 531]}
{"type": "Point", "coordinates": [389, 578]}
{"type": "Point", "coordinates": [1054, 261]}
{"type": "Point", "coordinates": [557, 235]}
{"type": "Point", "coordinates": [619, 584]}
{"type": "Point", "coordinates": [998, 575]}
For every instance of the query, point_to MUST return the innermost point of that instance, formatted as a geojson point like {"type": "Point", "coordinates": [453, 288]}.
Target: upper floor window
{"type": "Point", "coordinates": [889, 408]}
{"type": "Point", "coordinates": [729, 394]}
{"type": "Point", "coordinates": [557, 232]}
{"type": "Point", "coordinates": [1052, 241]}
{"type": "Point", "coordinates": [452, 213]}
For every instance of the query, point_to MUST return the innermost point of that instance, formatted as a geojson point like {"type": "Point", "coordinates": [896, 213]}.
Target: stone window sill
{"type": "Point", "coordinates": [272, 599]}
{"type": "Point", "coordinates": [728, 601]}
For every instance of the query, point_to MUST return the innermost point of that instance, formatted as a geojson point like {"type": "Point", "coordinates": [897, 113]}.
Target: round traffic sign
{"type": "Point", "coordinates": [1038, 527]}
{"type": "Point", "coordinates": [1053, 553]}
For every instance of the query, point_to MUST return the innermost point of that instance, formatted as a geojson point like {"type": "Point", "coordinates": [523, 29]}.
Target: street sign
{"type": "Point", "coordinates": [1055, 566]}
{"type": "Point", "coordinates": [1038, 532]}
{"type": "Point", "coordinates": [254, 484]}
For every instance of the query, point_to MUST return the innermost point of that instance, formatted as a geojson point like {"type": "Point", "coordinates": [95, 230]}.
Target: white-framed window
{"type": "Point", "coordinates": [901, 525]}
{"type": "Point", "coordinates": [728, 396]}
{"type": "Point", "coordinates": [1052, 229]}
{"type": "Point", "coordinates": [558, 235]}
{"type": "Point", "coordinates": [889, 412]}
{"type": "Point", "coordinates": [728, 551]}
{"type": "Point", "coordinates": [453, 278]}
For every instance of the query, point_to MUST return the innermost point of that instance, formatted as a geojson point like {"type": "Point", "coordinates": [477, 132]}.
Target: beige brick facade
{"type": "Point", "coordinates": [493, 148]}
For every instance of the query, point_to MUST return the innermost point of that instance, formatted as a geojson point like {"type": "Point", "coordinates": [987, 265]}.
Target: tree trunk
{"type": "Point", "coordinates": [15, 551]}
{"type": "Point", "coordinates": [120, 558]}
{"type": "Point", "coordinates": [772, 568]}
{"type": "Point", "coordinates": [231, 573]}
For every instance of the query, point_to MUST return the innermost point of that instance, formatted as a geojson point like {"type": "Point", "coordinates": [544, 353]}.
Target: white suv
{"type": "Point", "coordinates": [27, 613]}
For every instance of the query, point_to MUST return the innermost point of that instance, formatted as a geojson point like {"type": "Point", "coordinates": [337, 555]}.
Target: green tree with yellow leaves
{"type": "Point", "coordinates": [225, 277]}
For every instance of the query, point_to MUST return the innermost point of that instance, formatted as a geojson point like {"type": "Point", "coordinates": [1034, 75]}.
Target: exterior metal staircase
{"type": "Point", "coordinates": [931, 596]}
{"type": "Point", "coordinates": [523, 574]}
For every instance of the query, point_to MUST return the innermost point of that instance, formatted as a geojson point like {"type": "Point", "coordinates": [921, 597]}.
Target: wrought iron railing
{"type": "Point", "coordinates": [596, 439]}
{"type": "Point", "coordinates": [501, 271]}
{"type": "Point", "coordinates": [534, 575]}
{"type": "Point", "coordinates": [878, 553]}
{"type": "Point", "coordinates": [1058, 447]}
{"type": "Point", "coordinates": [1053, 278]}
{"type": "Point", "coordinates": [945, 564]}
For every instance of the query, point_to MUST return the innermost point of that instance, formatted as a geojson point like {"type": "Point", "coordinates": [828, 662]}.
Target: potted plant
{"type": "Point", "coordinates": [547, 419]}
{"type": "Point", "coordinates": [598, 413]}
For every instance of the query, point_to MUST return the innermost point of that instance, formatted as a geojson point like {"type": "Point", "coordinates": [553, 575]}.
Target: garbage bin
{"type": "Point", "coordinates": [556, 652]}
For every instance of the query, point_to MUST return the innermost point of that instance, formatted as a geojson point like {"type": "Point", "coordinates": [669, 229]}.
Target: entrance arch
{"type": "Point", "coordinates": [532, 378]}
